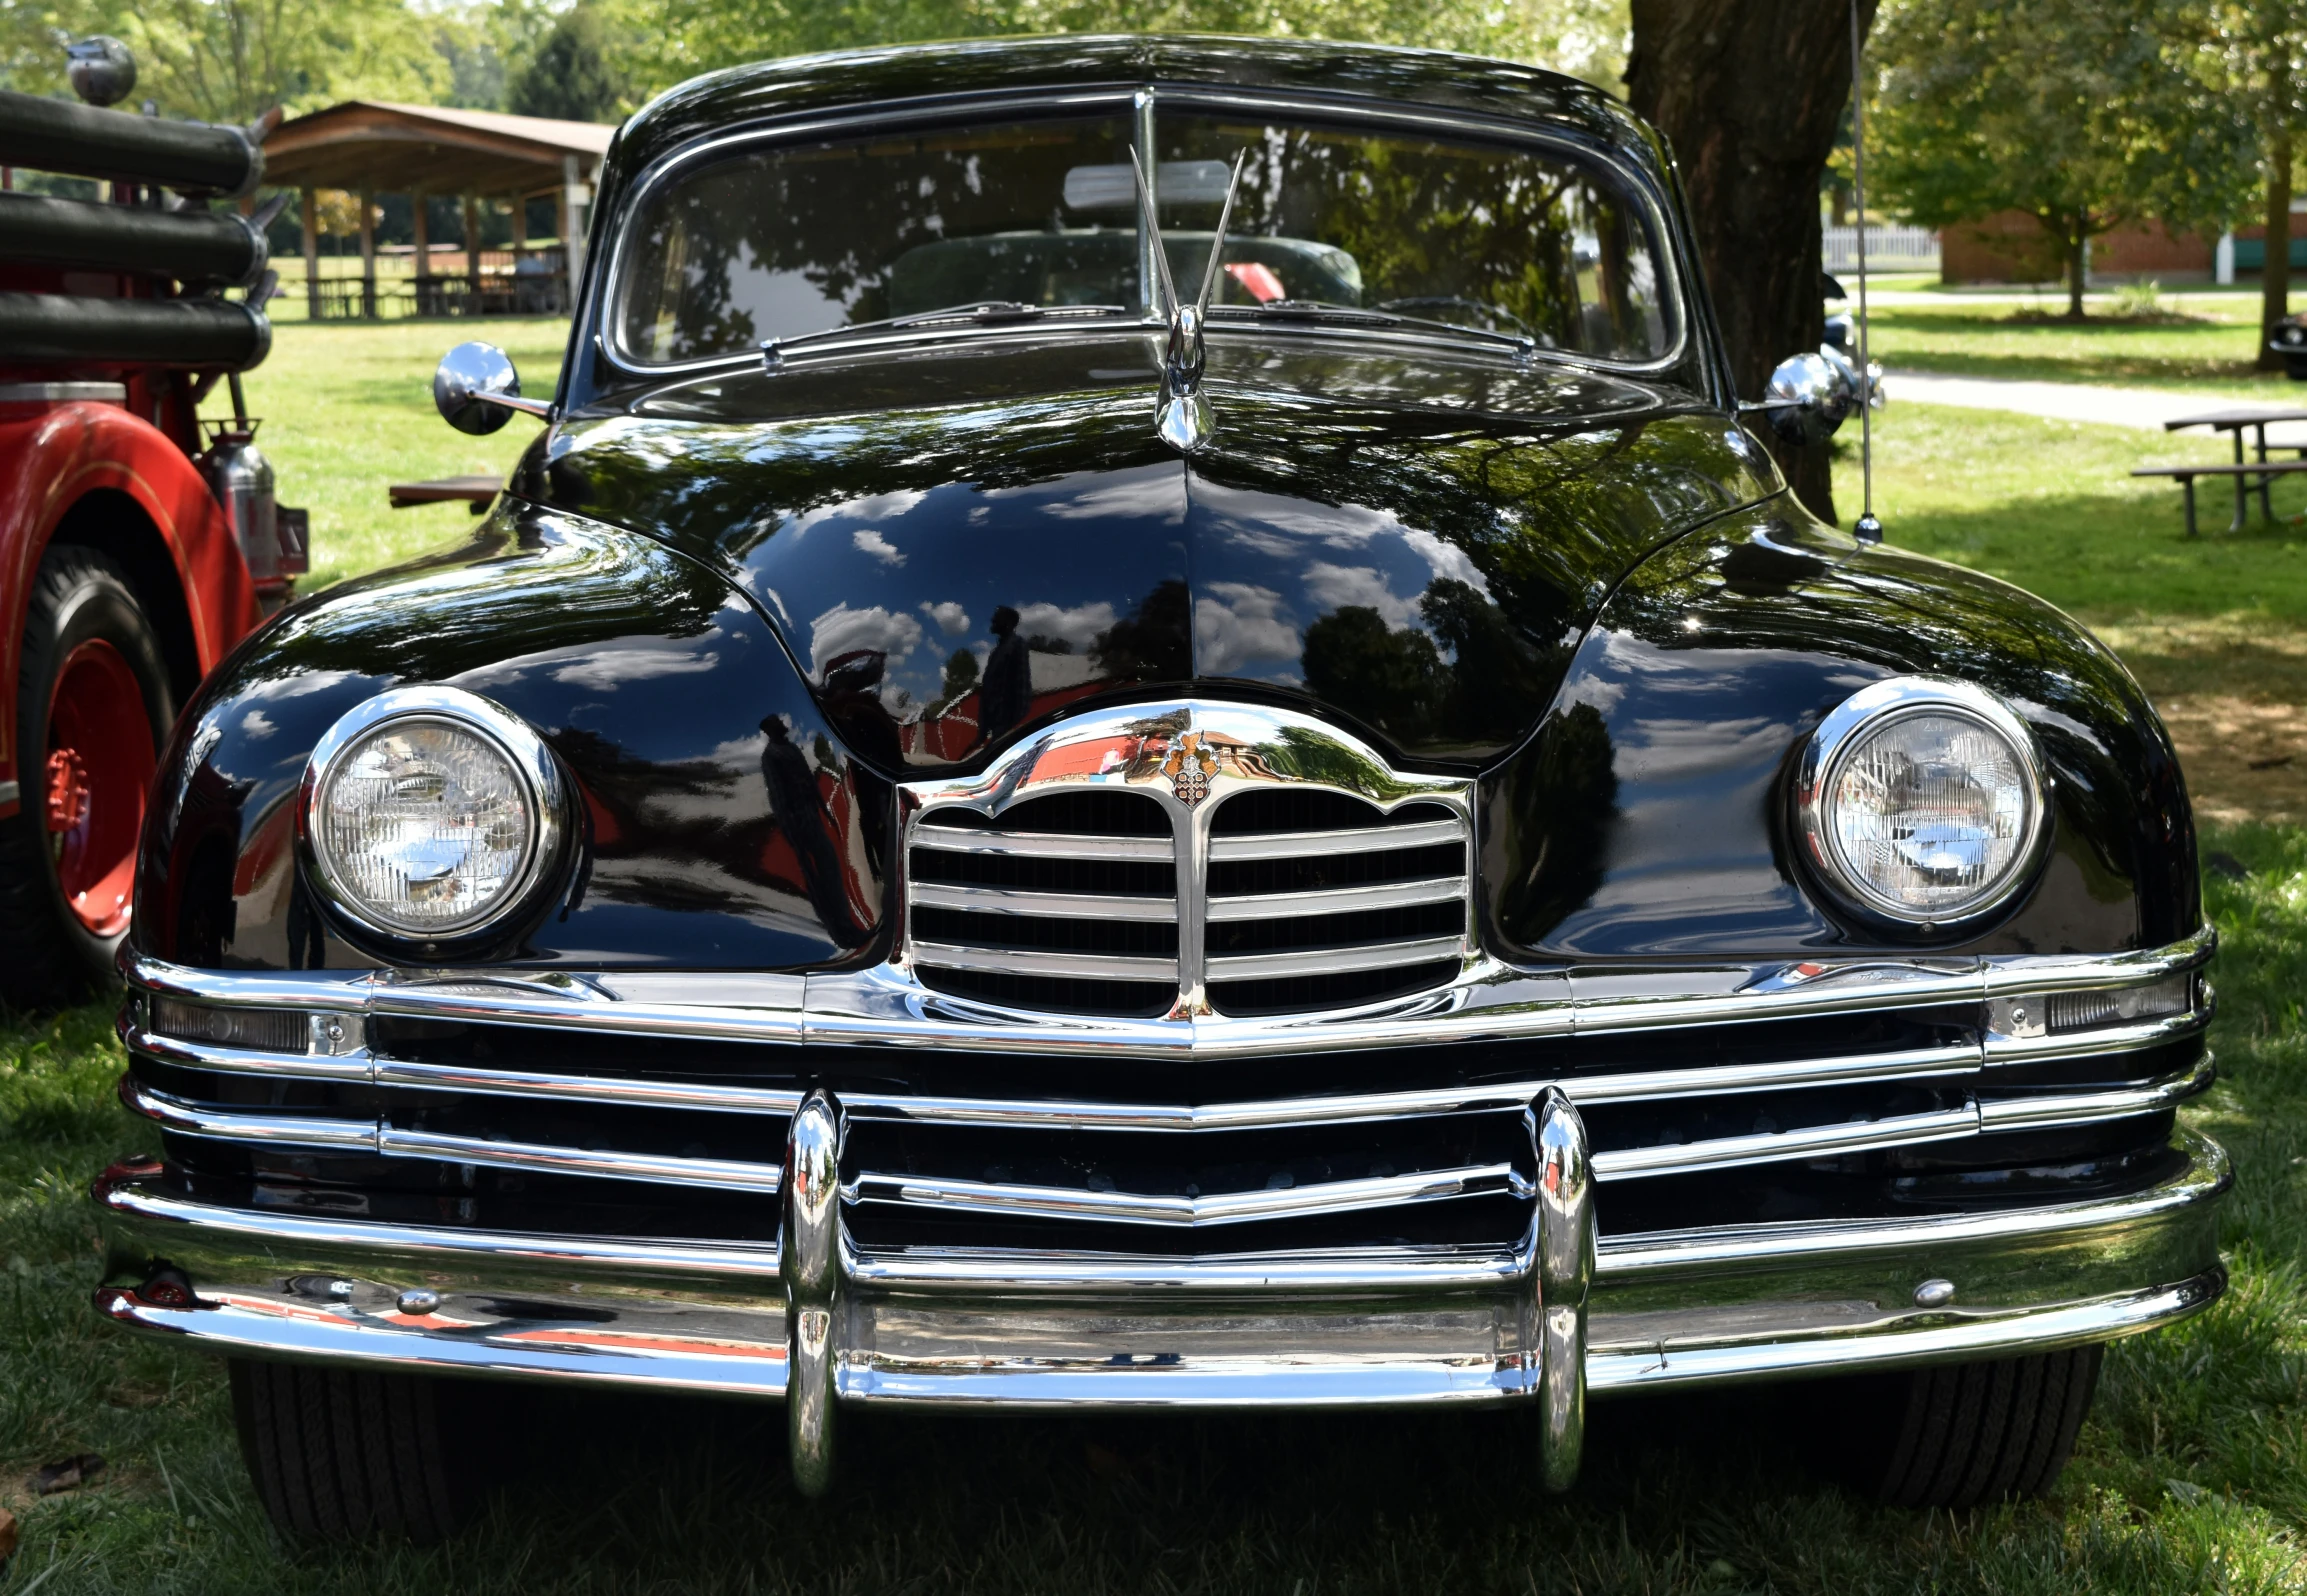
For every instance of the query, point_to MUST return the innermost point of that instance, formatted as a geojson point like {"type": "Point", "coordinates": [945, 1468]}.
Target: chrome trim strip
{"type": "Point", "coordinates": [2086, 1108]}
{"type": "Point", "coordinates": [375, 1136]}
{"type": "Point", "coordinates": [272, 1230]}
{"type": "Point", "coordinates": [1816, 1141]}
{"type": "Point", "coordinates": [1314, 844]}
{"type": "Point", "coordinates": [1022, 961]}
{"type": "Point", "coordinates": [1000, 1270]}
{"type": "Point", "coordinates": [1042, 844]}
{"type": "Point", "coordinates": [1336, 900]}
{"type": "Point", "coordinates": [216, 1124]}
{"type": "Point", "coordinates": [1332, 961]}
{"type": "Point", "coordinates": [2008, 973]}
{"type": "Point", "coordinates": [1229, 1208]}
{"type": "Point", "coordinates": [1513, 1096]}
{"type": "Point", "coordinates": [1489, 1001]}
{"type": "Point", "coordinates": [250, 1322]}
{"type": "Point", "coordinates": [717, 1174]}
{"type": "Point", "coordinates": [586, 1088]}
{"type": "Point", "coordinates": [247, 1060]}
{"type": "Point", "coordinates": [1804, 1241]}
{"type": "Point", "coordinates": [1998, 1335]}
{"type": "Point", "coordinates": [1708, 1080]}
{"type": "Point", "coordinates": [2132, 1038]}
{"type": "Point", "coordinates": [1053, 905]}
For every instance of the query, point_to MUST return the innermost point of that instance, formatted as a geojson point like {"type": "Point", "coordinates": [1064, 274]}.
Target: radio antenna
{"type": "Point", "coordinates": [1868, 529]}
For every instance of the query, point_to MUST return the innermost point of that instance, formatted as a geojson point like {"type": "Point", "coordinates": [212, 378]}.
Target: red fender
{"type": "Point", "coordinates": [53, 455]}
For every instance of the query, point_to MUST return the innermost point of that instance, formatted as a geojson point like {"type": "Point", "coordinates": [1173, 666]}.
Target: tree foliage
{"type": "Point", "coordinates": [230, 60]}
{"type": "Point", "coordinates": [2085, 114]}
{"type": "Point", "coordinates": [581, 73]}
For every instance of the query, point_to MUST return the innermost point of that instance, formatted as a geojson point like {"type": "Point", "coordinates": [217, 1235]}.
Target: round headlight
{"type": "Point", "coordinates": [429, 812]}
{"type": "Point", "coordinates": [1922, 800]}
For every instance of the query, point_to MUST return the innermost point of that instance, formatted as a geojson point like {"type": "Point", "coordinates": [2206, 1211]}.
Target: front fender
{"type": "Point", "coordinates": [654, 682]}
{"type": "Point", "coordinates": [1647, 818]}
{"type": "Point", "coordinates": [52, 459]}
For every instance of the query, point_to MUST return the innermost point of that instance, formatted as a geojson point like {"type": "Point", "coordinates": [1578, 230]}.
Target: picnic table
{"type": "Point", "coordinates": [2236, 423]}
{"type": "Point", "coordinates": [478, 492]}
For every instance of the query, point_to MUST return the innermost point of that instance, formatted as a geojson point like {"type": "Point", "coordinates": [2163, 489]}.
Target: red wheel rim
{"type": "Point", "coordinates": [99, 764]}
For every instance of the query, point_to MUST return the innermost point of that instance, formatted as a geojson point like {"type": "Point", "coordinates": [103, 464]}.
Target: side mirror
{"type": "Point", "coordinates": [1808, 397]}
{"type": "Point", "coordinates": [475, 388]}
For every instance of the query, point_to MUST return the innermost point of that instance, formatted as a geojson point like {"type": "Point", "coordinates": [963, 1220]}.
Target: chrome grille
{"type": "Point", "coordinates": [1317, 900]}
{"type": "Point", "coordinates": [1200, 859]}
{"type": "Point", "coordinates": [1066, 903]}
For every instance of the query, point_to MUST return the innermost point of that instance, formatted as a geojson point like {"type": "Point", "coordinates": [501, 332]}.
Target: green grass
{"type": "Point", "coordinates": [2191, 1475]}
{"type": "Point", "coordinates": [348, 411]}
{"type": "Point", "coordinates": [2211, 353]}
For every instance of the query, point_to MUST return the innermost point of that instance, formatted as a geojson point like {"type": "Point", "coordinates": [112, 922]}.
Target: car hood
{"type": "Point", "coordinates": [959, 544]}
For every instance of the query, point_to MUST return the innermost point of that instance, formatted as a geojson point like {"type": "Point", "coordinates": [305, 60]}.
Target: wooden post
{"type": "Point", "coordinates": [311, 214]}
{"type": "Point", "coordinates": [473, 255]}
{"type": "Point", "coordinates": [367, 258]}
{"type": "Point", "coordinates": [521, 303]}
{"type": "Point", "coordinates": [423, 247]}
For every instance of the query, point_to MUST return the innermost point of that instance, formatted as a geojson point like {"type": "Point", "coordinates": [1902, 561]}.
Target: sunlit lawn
{"type": "Point", "coordinates": [2192, 1474]}
{"type": "Point", "coordinates": [348, 411]}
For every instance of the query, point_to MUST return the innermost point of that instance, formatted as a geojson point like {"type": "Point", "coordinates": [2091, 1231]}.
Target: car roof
{"type": "Point", "coordinates": [850, 80]}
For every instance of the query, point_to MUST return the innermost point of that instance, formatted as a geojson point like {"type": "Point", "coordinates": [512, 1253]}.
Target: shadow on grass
{"type": "Point", "coordinates": [1685, 1493]}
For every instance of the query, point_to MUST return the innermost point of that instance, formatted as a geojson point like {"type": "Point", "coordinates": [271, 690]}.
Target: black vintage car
{"type": "Point", "coordinates": [1144, 733]}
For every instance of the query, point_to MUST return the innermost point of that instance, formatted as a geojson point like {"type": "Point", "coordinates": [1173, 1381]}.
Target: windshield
{"type": "Point", "coordinates": [809, 237]}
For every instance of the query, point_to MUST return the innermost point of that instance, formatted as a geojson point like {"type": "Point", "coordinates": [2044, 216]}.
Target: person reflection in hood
{"type": "Point", "coordinates": [1005, 694]}
{"type": "Point", "coordinates": [799, 805]}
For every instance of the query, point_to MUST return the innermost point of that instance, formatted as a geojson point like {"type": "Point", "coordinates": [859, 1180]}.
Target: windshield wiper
{"type": "Point", "coordinates": [980, 313]}
{"type": "Point", "coordinates": [1325, 313]}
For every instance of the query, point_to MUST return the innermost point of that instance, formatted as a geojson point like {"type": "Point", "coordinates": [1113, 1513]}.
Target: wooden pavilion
{"type": "Point", "coordinates": [370, 147]}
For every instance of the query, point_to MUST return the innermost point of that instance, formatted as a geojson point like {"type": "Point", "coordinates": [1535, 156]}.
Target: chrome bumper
{"type": "Point", "coordinates": [819, 1319]}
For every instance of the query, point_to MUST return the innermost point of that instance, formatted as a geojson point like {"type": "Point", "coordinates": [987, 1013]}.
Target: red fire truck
{"type": "Point", "coordinates": [138, 544]}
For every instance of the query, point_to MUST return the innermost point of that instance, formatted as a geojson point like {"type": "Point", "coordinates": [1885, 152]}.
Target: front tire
{"type": "Point", "coordinates": [342, 1454]}
{"type": "Point", "coordinates": [1966, 1433]}
{"type": "Point", "coordinates": [93, 706]}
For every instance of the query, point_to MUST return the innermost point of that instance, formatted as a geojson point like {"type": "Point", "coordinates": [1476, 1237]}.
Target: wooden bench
{"type": "Point", "coordinates": [478, 492]}
{"type": "Point", "coordinates": [2236, 423]}
{"type": "Point", "coordinates": [2186, 475]}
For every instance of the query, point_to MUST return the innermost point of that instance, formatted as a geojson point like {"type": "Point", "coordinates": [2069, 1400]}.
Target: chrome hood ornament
{"type": "Point", "coordinates": [1184, 419]}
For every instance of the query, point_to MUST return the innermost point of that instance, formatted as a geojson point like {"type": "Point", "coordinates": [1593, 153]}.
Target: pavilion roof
{"type": "Point", "coordinates": [399, 149]}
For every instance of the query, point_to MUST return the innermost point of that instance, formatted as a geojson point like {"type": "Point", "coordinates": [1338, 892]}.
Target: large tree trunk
{"type": "Point", "coordinates": [2275, 276]}
{"type": "Point", "coordinates": [1751, 95]}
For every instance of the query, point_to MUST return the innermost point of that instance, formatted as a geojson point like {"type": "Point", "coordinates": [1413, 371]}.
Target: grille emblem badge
{"type": "Point", "coordinates": [1189, 767]}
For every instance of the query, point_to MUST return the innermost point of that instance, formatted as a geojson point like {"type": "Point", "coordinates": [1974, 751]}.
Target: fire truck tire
{"type": "Point", "coordinates": [93, 707]}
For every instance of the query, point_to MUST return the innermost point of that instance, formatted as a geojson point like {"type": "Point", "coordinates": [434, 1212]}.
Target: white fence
{"type": "Point", "coordinates": [1888, 249]}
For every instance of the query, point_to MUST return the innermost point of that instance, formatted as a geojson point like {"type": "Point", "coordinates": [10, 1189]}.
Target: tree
{"type": "Point", "coordinates": [1750, 96]}
{"type": "Point", "coordinates": [2082, 113]}
{"type": "Point", "coordinates": [578, 75]}
{"type": "Point", "coordinates": [2254, 56]}
{"type": "Point", "coordinates": [231, 60]}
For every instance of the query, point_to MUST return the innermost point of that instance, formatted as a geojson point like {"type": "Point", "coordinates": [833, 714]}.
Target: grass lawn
{"type": "Point", "coordinates": [2192, 1474]}
{"type": "Point", "coordinates": [2210, 352]}
{"type": "Point", "coordinates": [348, 411]}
